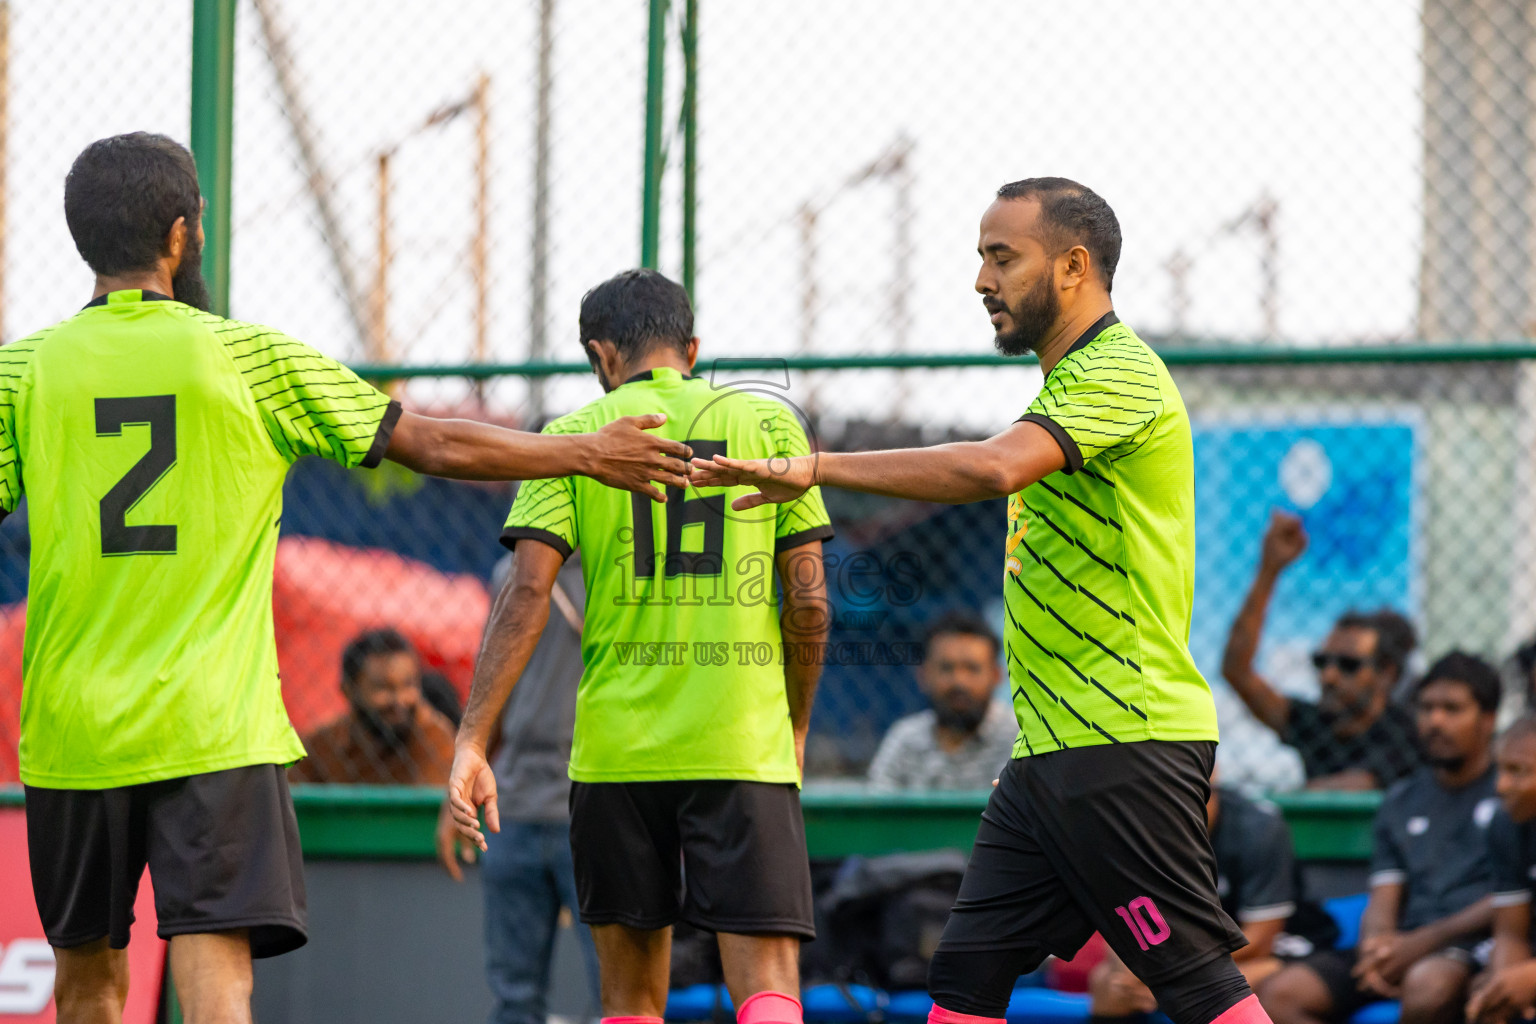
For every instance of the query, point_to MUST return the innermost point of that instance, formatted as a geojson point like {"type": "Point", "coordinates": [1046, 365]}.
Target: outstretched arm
{"type": "Point", "coordinates": [1284, 541]}
{"type": "Point", "coordinates": [621, 454]}
{"type": "Point", "coordinates": [804, 623]}
{"type": "Point", "coordinates": [517, 620]}
{"type": "Point", "coordinates": [955, 473]}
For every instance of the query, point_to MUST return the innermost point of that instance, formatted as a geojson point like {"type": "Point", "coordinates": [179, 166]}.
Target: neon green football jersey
{"type": "Point", "coordinates": [1099, 567]}
{"type": "Point", "coordinates": [151, 441]}
{"type": "Point", "coordinates": [682, 647]}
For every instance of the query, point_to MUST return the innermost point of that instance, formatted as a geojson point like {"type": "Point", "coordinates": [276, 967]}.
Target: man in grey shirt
{"type": "Point", "coordinates": [527, 874]}
{"type": "Point", "coordinates": [966, 737]}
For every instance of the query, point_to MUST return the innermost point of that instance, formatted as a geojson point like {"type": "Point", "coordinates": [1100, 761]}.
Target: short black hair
{"type": "Point", "coordinates": [960, 623]}
{"type": "Point", "coordinates": [368, 645]}
{"type": "Point", "coordinates": [1074, 214]}
{"type": "Point", "coordinates": [1475, 673]}
{"type": "Point", "coordinates": [1395, 635]}
{"type": "Point", "coordinates": [1520, 728]}
{"type": "Point", "coordinates": [123, 194]}
{"type": "Point", "coordinates": [637, 311]}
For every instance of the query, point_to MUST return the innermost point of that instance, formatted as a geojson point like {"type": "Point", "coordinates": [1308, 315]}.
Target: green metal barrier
{"type": "Point", "coordinates": [384, 822]}
{"type": "Point", "coordinates": [1197, 355]}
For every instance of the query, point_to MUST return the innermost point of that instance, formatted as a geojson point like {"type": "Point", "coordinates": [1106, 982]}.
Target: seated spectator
{"type": "Point", "coordinates": [1260, 886]}
{"type": "Point", "coordinates": [1354, 736]}
{"type": "Point", "coordinates": [966, 737]}
{"type": "Point", "coordinates": [1430, 903]}
{"type": "Point", "coordinates": [390, 736]}
{"type": "Point", "coordinates": [1508, 991]}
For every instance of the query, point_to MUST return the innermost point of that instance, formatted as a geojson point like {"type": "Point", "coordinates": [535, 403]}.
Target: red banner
{"type": "Point", "coordinates": [26, 959]}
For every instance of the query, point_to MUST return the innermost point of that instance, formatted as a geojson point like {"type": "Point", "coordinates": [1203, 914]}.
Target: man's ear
{"type": "Point", "coordinates": [606, 354]}
{"type": "Point", "coordinates": [692, 352]}
{"type": "Point", "coordinates": [1076, 266]}
{"type": "Point", "coordinates": [176, 242]}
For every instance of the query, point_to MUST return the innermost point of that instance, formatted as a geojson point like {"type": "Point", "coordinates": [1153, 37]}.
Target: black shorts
{"type": "Point", "coordinates": [1110, 839]}
{"type": "Point", "coordinates": [222, 850]}
{"type": "Point", "coordinates": [1335, 968]}
{"type": "Point", "coordinates": [721, 855]}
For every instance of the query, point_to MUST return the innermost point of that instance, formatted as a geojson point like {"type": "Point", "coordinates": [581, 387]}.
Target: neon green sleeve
{"type": "Point", "coordinates": [545, 510]}
{"type": "Point", "coordinates": [308, 402]}
{"type": "Point", "coordinates": [1098, 399]}
{"type": "Point", "coordinates": [13, 367]}
{"type": "Point", "coordinates": [805, 519]}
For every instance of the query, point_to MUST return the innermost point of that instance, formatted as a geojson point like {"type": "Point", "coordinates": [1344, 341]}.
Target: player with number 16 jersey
{"type": "Point", "coordinates": [693, 706]}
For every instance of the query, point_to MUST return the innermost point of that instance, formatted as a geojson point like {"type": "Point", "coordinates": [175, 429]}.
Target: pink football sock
{"type": "Point", "coordinates": [770, 1008]}
{"type": "Point", "coordinates": [939, 1015]}
{"type": "Point", "coordinates": [1248, 1011]}
{"type": "Point", "coordinates": [632, 1020]}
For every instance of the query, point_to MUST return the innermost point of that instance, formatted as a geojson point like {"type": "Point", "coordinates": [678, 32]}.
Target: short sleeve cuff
{"type": "Point", "coordinates": [1513, 898]}
{"type": "Point", "coordinates": [1274, 912]}
{"type": "Point", "coordinates": [795, 540]}
{"type": "Point", "coordinates": [1389, 877]}
{"type": "Point", "coordinates": [382, 435]}
{"type": "Point", "coordinates": [1069, 447]}
{"type": "Point", "coordinates": [512, 534]}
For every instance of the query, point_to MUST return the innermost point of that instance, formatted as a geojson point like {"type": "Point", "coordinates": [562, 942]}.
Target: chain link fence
{"type": "Point", "coordinates": [427, 188]}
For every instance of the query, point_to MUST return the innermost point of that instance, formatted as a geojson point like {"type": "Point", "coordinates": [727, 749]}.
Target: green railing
{"type": "Point", "coordinates": [1195, 355]}
{"type": "Point", "coordinates": [387, 822]}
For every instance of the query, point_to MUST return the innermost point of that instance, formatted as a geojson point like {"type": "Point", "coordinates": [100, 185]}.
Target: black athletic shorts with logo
{"type": "Point", "coordinates": [722, 855]}
{"type": "Point", "coordinates": [222, 850]}
{"type": "Point", "coordinates": [1108, 838]}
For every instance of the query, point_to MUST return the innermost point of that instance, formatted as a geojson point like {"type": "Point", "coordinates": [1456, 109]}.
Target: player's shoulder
{"type": "Point", "coordinates": [579, 421]}
{"type": "Point", "coordinates": [1116, 351]}
{"type": "Point", "coordinates": [238, 335]}
{"type": "Point", "coordinates": [15, 356]}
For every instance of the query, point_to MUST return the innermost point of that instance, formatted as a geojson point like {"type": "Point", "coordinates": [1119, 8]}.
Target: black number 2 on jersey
{"type": "Point", "coordinates": [112, 414]}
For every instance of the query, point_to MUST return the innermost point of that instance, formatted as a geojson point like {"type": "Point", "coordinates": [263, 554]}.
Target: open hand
{"type": "Point", "coordinates": [472, 785]}
{"type": "Point", "coordinates": [778, 479]}
{"type": "Point", "coordinates": [625, 456]}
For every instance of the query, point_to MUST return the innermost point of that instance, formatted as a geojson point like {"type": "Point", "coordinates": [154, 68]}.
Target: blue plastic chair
{"type": "Point", "coordinates": [1378, 1013]}
{"type": "Point", "coordinates": [697, 1002]}
{"type": "Point", "coordinates": [1346, 912]}
{"type": "Point", "coordinates": [831, 1004]}
{"type": "Point", "coordinates": [1044, 1006]}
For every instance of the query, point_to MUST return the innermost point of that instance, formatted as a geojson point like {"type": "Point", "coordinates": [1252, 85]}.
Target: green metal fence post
{"type": "Point", "coordinates": [690, 140]}
{"type": "Point", "coordinates": [213, 122]}
{"type": "Point", "coordinates": [655, 100]}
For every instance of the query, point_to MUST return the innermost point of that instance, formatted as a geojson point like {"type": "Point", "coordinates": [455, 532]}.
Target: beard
{"type": "Point", "coordinates": [1033, 318]}
{"type": "Point", "coordinates": [960, 713]}
{"type": "Point", "coordinates": [392, 734]}
{"type": "Point", "coordinates": [187, 284]}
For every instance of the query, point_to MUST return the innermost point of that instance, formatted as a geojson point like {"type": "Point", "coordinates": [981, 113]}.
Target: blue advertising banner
{"type": "Point", "coordinates": [1352, 483]}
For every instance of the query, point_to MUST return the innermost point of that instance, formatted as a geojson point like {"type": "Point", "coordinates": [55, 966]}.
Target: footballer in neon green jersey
{"type": "Point", "coordinates": [693, 707]}
{"type": "Point", "coordinates": [682, 574]}
{"type": "Point", "coordinates": [1098, 823]}
{"type": "Point", "coordinates": [150, 440]}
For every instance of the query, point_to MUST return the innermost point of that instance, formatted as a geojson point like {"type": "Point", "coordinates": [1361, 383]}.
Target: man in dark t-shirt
{"type": "Point", "coordinates": [1508, 992]}
{"type": "Point", "coordinates": [1430, 904]}
{"type": "Point", "coordinates": [1353, 736]}
{"type": "Point", "coordinates": [1259, 883]}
